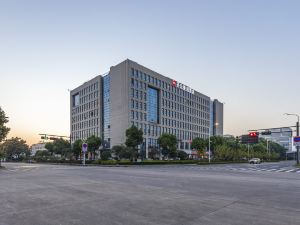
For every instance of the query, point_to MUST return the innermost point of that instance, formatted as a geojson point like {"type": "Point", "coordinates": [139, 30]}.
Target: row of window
{"type": "Point", "coordinates": [153, 130]}
{"type": "Point", "coordinates": [183, 125]}
{"type": "Point", "coordinates": [86, 107]}
{"type": "Point", "coordinates": [84, 134]}
{"type": "Point", "coordinates": [135, 115]}
{"type": "Point", "coordinates": [135, 84]}
{"type": "Point", "coordinates": [85, 116]}
{"type": "Point", "coordinates": [89, 89]}
{"type": "Point", "coordinates": [184, 104]}
{"type": "Point", "coordinates": [138, 105]}
{"type": "Point", "coordinates": [184, 116]}
{"type": "Point", "coordinates": [162, 84]}
{"type": "Point", "coordinates": [138, 94]}
{"type": "Point", "coordinates": [85, 124]}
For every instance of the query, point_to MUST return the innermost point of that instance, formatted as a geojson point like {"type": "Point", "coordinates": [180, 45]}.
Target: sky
{"type": "Point", "coordinates": [244, 53]}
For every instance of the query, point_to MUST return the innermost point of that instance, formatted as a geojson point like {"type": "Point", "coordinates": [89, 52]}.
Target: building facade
{"type": "Point", "coordinates": [217, 118]}
{"type": "Point", "coordinates": [37, 147]}
{"type": "Point", "coordinates": [131, 94]}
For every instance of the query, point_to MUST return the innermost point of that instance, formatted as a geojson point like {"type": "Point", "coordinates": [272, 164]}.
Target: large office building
{"type": "Point", "coordinates": [131, 94]}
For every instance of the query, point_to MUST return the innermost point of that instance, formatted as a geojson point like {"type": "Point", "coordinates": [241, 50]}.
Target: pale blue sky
{"type": "Point", "coordinates": [245, 53]}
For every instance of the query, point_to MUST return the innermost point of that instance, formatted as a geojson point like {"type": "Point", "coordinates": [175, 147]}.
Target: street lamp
{"type": "Point", "coordinates": [297, 126]}
{"type": "Point", "coordinates": [209, 130]}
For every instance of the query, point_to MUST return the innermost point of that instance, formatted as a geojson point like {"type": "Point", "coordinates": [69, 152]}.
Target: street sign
{"type": "Point", "coordinates": [84, 147]}
{"type": "Point", "coordinates": [297, 141]}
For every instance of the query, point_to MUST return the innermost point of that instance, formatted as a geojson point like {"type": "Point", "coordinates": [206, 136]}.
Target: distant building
{"type": "Point", "coordinates": [37, 147]}
{"type": "Point", "coordinates": [282, 136]}
{"type": "Point", "coordinates": [131, 94]}
{"type": "Point", "coordinates": [216, 113]}
{"type": "Point", "coordinates": [228, 136]}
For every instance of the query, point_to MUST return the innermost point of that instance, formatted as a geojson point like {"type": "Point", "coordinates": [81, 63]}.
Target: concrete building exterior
{"type": "Point", "coordinates": [131, 94]}
{"type": "Point", "coordinates": [37, 147]}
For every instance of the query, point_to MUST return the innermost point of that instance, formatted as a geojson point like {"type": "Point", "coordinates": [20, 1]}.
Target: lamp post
{"type": "Point", "coordinates": [297, 126]}
{"type": "Point", "coordinates": [209, 151]}
{"type": "Point", "coordinates": [209, 146]}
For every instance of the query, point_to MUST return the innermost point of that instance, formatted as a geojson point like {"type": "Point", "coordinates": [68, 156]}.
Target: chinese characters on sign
{"type": "Point", "coordinates": [182, 86]}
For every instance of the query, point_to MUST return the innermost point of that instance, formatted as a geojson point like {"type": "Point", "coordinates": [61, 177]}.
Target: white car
{"type": "Point", "coordinates": [254, 161]}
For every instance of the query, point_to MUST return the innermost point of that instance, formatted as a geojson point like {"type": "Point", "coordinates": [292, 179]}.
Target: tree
{"type": "Point", "coordinates": [183, 155]}
{"type": "Point", "coordinates": [121, 152]}
{"type": "Point", "coordinates": [15, 149]}
{"type": "Point", "coordinates": [105, 154]}
{"type": "Point", "coordinates": [93, 145]}
{"type": "Point", "coordinates": [59, 147]}
{"type": "Point", "coordinates": [168, 142]}
{"type": "Point", "coordinates": [2, 154]}
{"type": "Point", "coordinates": [134, 137]}
{"type": "Point", "coordinates": [153, 153]}
{"type": "Point", "coordinates": [223, 152]}
{"type": "Point", "coordinates": [199, 144]}
{"type": "Point", "coordinates": [77, 148]}
{"type": "Point", "coordinates": [3, 129]}
{"type": "Point", "coordinates": [49, 146]}
{"type": "Point", "coordinates": [42, 154]}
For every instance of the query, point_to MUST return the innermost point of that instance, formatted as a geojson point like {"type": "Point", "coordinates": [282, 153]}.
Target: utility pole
{"type": "Point", "coordinates": [248, 150]}
{"type": "Point", "coordinates": [268, 148]}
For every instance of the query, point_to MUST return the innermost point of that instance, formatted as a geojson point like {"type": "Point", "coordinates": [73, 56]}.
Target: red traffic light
{"type": "Point", "coordinates": [253, 134]}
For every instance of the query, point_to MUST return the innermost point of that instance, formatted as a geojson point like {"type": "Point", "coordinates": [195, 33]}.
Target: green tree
{"type": "Point", "coordinates": [3, 129]}
{"type": "Point", "coordinates": [223, 152]}
{"type": "Point", "coordinates": [199, 144]}
{"type": "Point", "coordinates": [94, 144]}
{"type": "Point", "coordinates": [49, 146]}
{"type": "Point", "coordinates": [183, 155]}
{"type": "Point", "coordinates": [2, 154]}
{"type": "Point", "coordinates": [134, 137]}
{"type": "Point", "coordinates": [59, 147]}
{"type": "Point", "coordinates": [153, 153]}
{"type": "Point", "coordinates": [121, 152]}
{"type": "Point", "coordinates": [15, 149]}
{"type": "Point", "coordinates": [105, 154]}
{"type": "Point", "coordinates": [168, 142]}
{"type": "Point", "coordinates": [42, 154]}
{"type": "Point", "coordinates": [77, 148]}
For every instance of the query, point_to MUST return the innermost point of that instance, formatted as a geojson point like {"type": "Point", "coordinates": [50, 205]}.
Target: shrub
{"type": "Point", "coordinates": [105, 154]}
{"type": "Point", "coordinates": [109, 162]}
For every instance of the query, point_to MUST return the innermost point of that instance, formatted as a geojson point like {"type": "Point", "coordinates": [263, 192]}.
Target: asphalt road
{"type": "Point", "coordinates": [34, 194]}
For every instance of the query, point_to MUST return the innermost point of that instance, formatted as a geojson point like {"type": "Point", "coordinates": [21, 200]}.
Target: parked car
{"type": "Point", "coordinates": [255, 161]}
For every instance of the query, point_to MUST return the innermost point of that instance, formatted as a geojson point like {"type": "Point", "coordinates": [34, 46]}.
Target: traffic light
{"type": "Point", "coordinates": [253, 137]}
{"type": "Point", "coordinates": [53, 138]}
{"type": "Point", "coordinates": [253, 134]}
{"type": "Point", "coordinates": [266, 132]}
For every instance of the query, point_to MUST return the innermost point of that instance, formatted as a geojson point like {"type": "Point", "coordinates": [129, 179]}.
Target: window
{"type": "Point", "coordinates": [132, 104]}
{"type": "Point", "coordinates": [152, 105]}
{"type": "Point", "coordinates": [76, 100]}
